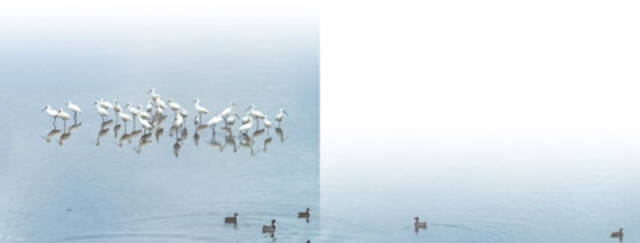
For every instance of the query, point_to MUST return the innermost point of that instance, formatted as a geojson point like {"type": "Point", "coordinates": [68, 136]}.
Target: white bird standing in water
{"type": "Point", "coordinates": [64, 116]}
{"type": "Point", "coordinates": [231, 119]}
{"type": "Point", "coordinates": [51, 113]}
{"type": "Point", "coordinates": [149, 107]}
{"type": "Point", "coordinates": [244, 129]}
{"type": "Point", "coordinates": [227, 111]}
{"type": "Point", "coordinates": [246, 118]}
{"type": "Point", "coordinates": [143, 113]}
{"type": "Point", "coordinates": [105, 104]}
{"type": "Point", "coordinates": [196, 120]}
{"type": "Point", "coordinates": [267, 124]}
{"type": "Point", "coordinates": [102, 111]}
{"type": "Point", "coordinates": [183, 112]}
{"type": "Point", "coordinates": [213, 121]}
{"type": "Point", "coordinates": [280, 115]}
{"type": "Point", "coordinates": [145, 124]}
{"type": "Point", "coordinates": [159, 103]}
{"type": "Point", "coordinates": [116, 108]}
{"type": "Point", "coordinates": [125, 118]}
{"type": "Point", "coordinates": [134, 112]}
{"type": "Point", "coordinates": [256, 113]}
{"type": "Point", "coordinates": [177, 123]}
{"type": "Point", "coordinates": [173, 105]}
{"type": "Point", "coordinates": [75, 108]}
{"type": "Point", "coordinates": [153, 93]}
{"type": "Point", "coordinates": [200, 109]}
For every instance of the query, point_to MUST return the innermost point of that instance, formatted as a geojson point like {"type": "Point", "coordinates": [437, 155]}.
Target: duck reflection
{"type": "Point", "coordinates": [280, 133]}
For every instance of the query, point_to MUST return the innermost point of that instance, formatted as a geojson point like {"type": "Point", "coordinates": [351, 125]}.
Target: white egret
{"type": "Point", "coordinates": [64, 116]}
{"type": "Point", "coordinates": [173, 105]}
{"type": "Point", "coordinates": [244, 129]}
{"type": "Point", "coordinates": [149, 107]}
{"type": "Point", "coordinates": [280, 116]}
{"type": "Point", "coordinates": [256, 113]}
{"type": "Point", "coordinates": [184, 112]}
{"type": "Point", "coordinates": [101, 111]}
{"type": "Point", "coordinates": [246, 118]}
{"type": "Point", "coordinates": [200, 109]}
{"type": "Point", "coordinates": [231, 119]}
{"type": "Point", "coordinates": [227, 111]}
{"type": "Point", "coordinates": [75, 108]}
{"type": "Point", "coordinates": [153, 93]}
{"type": "Point", "coordinates": [196, 121]}
{"type": "Point", "coordinates": [145, 124]}
{"type": "Point", "coordinates": [125, 118]}
{"type": "Point", "coordinates": [267, 124]}
{"type": "Point", "coordinates": [134, 112]}
{"type": "Point", "coordinates": [177, 123]}
{"type": "Point", "coordinates": [116, 108]}
{"type": "Point", "coordinates": [105, 104]}
{"type": "Point", "coordinates": [51, 113]}
{"type": "Point", "coordinates": [159, 103]}
{"type": "Point", "coordinates": [213, 121]}
{"type": "Point", "coordinates": [143, 113]}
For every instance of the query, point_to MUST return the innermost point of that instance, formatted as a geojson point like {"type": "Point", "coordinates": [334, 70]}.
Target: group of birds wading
{"type": "Point", "coordinates": [253, 124]}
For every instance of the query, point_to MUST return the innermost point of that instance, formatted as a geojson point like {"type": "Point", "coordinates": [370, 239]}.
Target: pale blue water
{"type": "Point", "coordinates": [81, 192]}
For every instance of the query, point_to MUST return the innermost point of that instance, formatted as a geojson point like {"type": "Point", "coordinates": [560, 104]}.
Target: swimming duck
{"type": "Point", "coordinates": [231, 220]}
{"type": "Point", "coordinates": [419, 224]}
{"type": "Point", "coordinates": [269, 228]}
{"type": "Point", "coordinates": [304, 214]}
{"type": "Point", "coordinates": [618, 234]}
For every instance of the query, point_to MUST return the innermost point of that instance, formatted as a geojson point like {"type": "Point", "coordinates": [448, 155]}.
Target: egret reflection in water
{"type": "Point", "coordinates": [52, 133]}
{"type": "Point", "coordinates": [280, 133]}
{"type": "Point", "coordinates": [266, 142]}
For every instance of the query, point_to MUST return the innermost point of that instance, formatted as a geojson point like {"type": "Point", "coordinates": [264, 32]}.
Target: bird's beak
{"type": "Point", "coordinates": [247, 108]}
{"type": "Point", "coordinates": [285, 112]}
{"type": "Point", "coordinates": [44, 109]}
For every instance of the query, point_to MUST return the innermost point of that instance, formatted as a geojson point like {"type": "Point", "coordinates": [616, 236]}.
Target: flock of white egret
{"type": "Point", "coordinates": [152, 115]}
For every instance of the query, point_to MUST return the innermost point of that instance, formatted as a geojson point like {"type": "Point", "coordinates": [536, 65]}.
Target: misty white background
{"type": "Point", "coordinates": [477, 74]}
